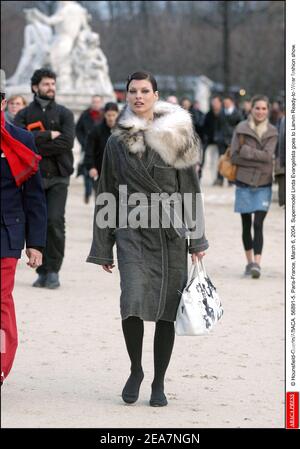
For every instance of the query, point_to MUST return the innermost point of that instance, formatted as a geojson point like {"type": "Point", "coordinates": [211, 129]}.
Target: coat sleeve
{"type": "Point", "coordinates": [264, 155]}
{"type": "Point", "coordinates": [34, 203]}
{"type": "Point", "coordinates": [21, 121]}
{"type": "Point", "coordinates": [101, 252]}
{"type": "Point", "coordinates": [248, 156]}
{"type": "Point", "coordinates": [62, 143]}
{"type": "Point", "coordinates": [90, 149]}
{"type": "Point", "coordinates": [193, 211]}
{"type": "Point", "coordinates": [79, 130]}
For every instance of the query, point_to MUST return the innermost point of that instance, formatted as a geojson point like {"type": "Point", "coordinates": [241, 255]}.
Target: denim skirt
{"type": "Point", "coordinates": [251, 199]}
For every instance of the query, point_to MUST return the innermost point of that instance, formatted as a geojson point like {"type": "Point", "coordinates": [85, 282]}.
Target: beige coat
{"type": "Point", "coordinates": [254, 158]}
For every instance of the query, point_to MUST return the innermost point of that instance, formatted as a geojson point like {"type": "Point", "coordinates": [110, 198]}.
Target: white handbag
{"type": "Point", "coordinates": [200, 307]}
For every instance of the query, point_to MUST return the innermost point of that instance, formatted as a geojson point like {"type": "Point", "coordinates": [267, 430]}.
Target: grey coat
{"type": "Point", "coordinates": [152, 261]}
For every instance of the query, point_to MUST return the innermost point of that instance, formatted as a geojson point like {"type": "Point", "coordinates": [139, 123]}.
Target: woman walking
{"type": "Point", "coordinates": [153, 149]}
{"type": "Point", "coordinates": [252, 149]}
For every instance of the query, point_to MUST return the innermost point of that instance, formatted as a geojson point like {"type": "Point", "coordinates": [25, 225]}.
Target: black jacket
{"type": "Point", "coordinates": [57, 155]}
{"type": "Point", "coordinates": [95, 145]}
{"type": "Point", "coordinates": [218, 129]}
{"type": "Point", "coordinates": [84, 125]}
{"type": "Point", "coordinates": [232, 120]}
{"type": "Point", "coordinates": [198, 121]}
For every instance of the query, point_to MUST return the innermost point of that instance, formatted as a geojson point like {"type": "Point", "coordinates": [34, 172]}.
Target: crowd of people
{"type": "Point", "coordinates": [47, 131]}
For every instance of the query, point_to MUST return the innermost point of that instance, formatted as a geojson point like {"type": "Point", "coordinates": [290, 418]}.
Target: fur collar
{"type": "Point", "coordinates": [259, 129]}
{"type": "Point", "coordinates": [170, 134]}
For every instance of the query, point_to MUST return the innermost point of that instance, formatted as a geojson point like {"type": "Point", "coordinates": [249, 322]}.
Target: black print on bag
{"type": "Point", "coordinates": [209, 310]}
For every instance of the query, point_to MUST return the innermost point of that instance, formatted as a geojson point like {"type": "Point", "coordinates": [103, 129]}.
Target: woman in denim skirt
{"type": "Point", "coordinates": [254, 160]}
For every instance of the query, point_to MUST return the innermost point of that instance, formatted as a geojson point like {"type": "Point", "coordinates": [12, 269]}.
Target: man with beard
{"type": "Point", "coordinates": [54, 130]}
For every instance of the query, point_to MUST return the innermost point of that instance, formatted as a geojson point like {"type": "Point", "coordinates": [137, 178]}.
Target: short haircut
{"type": "Point", "coordinates": [111, 106]}
{"type": "Point", "coordinates": [142, 76]}
{"type": "Point", "coordinates": [39, 74]}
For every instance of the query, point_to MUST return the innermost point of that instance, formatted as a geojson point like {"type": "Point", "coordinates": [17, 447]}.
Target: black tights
{"type": "Point", "coordinates": [257, 242]}
{"type": "Point", "coordinates": [133, 330]}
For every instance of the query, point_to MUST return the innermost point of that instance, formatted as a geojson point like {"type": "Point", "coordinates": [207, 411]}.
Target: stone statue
{"type": "Point", "coordinates": [37, 39]}
{"type": "Point", "coordinates": [66, 43]}
{"type": "Point", "coordinates": [67, 21]}
{"type": "Point", "coordinates": [90, 64]}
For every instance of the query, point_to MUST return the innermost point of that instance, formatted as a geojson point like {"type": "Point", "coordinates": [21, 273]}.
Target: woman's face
{"type": "Point", "coordinates": [141, 97]}
{"type": "Point", "coordinates": [111, 118]}
{"type": "Point", "coordinates": [260, 111]}
{"type": "Point", "coordinates": [15, 105]}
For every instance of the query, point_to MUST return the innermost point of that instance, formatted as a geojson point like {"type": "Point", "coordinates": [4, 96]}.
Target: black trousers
{"type": "Point", "coordinates": [56, 190]}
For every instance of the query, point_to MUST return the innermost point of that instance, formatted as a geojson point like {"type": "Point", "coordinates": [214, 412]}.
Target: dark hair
{"type": "Point", "coordinates": [142, 76]}
{"type": "Point", "coordinates": [259, 97]}
{"type": "Point", "coordinates": [216, 96]}
{"type": "Point", "coordinates": [39, 74]}
{"type": "Point", "coordinates": [184, 99]}
{"type": "Point", "coordinates": [2, 96]}
{"type": "Point", "coordinates": [110, 106]}
{"type": "Point", "coordinates": [229, 97]}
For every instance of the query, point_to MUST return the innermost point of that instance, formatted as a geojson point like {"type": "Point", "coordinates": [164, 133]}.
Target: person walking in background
{"type": "Point", "coordinates": [246, 108]}
{"type": "Point", "coordinates": [23, 219]}
{"type": "Point", "coordinates": [14, 105]}
{"type": "Point", "coordinates": [254, 160]}
{"type": "Point", "coordinates": [87, 120]}
{"type": "Point", "coordinates": [280, 163]}
{"type": "Point", "coordinates": [198, 122]}
{"type": "Point", "coordinates": [54, 131]}
{"type": "Point", "coordinates": [214, 135]}
{"type": "Point", "coordinates": [233, 116]}
{"type": "Point", "coordinates": [172, 99]}
{"type": "Point", "coordinates": [153, 148]}
{"type": "Point", "coordinates": [277, 113]}
{"type": "Point", "coordinates": [97, 138]}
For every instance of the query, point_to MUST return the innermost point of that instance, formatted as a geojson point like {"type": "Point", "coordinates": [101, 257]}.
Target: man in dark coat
{"type": "Point", "coordinates": [54, 131]}
{"type": "Point", "coordinates": [23, 218]}
{"type": "Point", "coordinates": [198, 122]}
{"type": "Point", "coordinates": [90, 118]}
{"type": "Point", "coordinates": [219, 125]}
{"type": "Point", "coordinates": [97, 138]}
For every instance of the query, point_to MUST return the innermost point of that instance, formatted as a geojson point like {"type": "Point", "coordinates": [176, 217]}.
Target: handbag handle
{"type": "Point", "coordinates": [198, 263]}
{"type": "Point", "coordinates": [194, 267]}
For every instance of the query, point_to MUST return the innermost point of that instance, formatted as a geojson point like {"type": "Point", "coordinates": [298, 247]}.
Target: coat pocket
{"type": "Point", "coordinates": [166, 178]}
{"type": "Point", "coordinates": [15, 227]}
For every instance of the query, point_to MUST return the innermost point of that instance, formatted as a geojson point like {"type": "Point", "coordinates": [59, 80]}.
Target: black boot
{"type": "Point", "coordinates": [52, 281]}
{"type": "Point", "coordinates": [41, 280]}
{"type": "Point", "coordinates": [163, 345]}
{"type": "Point", "coordinates": [133, 329]}
{"type": "Point", "coordinates": [130, 393]}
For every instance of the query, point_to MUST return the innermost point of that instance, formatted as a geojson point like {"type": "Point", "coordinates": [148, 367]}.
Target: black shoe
{"type": "Point", "coordinates": [40, 282]}
{"type": "Point", "coordinates": [52, 281]}
{"type": "Point", "coordinates": [130, 393]}
{"type": "Point", "coordinates": [158, 398]}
